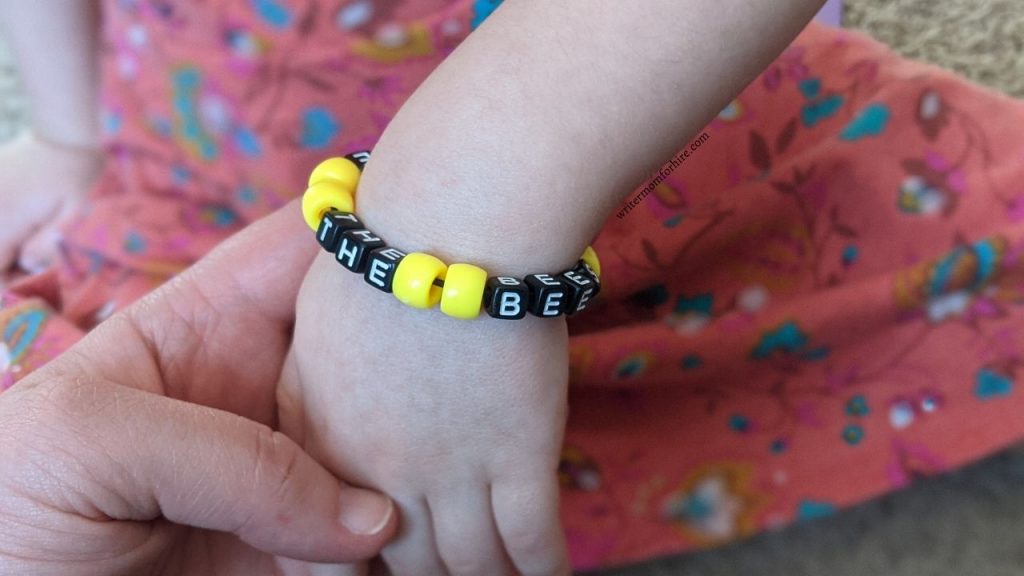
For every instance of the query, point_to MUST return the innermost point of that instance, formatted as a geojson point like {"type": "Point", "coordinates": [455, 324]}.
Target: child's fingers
{"type": "Point", "coordinates": [467, 536]}
{"type": "Point", "coordinates": [413, 552]}
{"type": "Point", "coordinates": [529, 522]}
{"type": "Point", "coordinates": [41, 248]}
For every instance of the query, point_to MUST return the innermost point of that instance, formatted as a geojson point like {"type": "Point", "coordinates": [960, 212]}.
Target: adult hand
{"type": "Point", "coordinates": [148, 447]}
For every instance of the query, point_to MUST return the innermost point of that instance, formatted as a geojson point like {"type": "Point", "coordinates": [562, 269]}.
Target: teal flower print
{"type": "Point", "coordinates": [871, 121]}
{"type": "Point", "coordinates": [788, 340]}
{"type": "Point", "coordinates": [273, 12]}
{"type": "Point", "coordinates": [989, 384]}
{"type": "Point", "coordinates": [820, 107]}
{"type": "Point", "coordinates": [319, 128]}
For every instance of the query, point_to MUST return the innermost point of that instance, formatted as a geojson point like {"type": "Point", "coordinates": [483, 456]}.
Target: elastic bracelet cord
{"type": "Point", "coordinates": [424, 281]}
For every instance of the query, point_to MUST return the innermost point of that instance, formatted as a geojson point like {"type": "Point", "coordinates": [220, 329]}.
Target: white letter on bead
{"type": "Point", "coordinates": [547, 279]}
{"type": "Point", "coordinates": [344, 253]}
{"type": "Point", "coordinates": [325, 227]}
{"type": "Point", "coordinates": [584, 299]}
{"type": "Point", "coordinates": [392, 254]}
{"type": "Point", "coordinates": [366, 235]}
{"type": "Point", "coordinates": [508, 281]}
{"type": "Point", "coordinates": [376, 274]}
{"type": "Point", "coordinates": [551, 304]}
{"type": "Point", "coordinates": [576, 277]}
{"type": "Point", "coordinates": [510, 304]}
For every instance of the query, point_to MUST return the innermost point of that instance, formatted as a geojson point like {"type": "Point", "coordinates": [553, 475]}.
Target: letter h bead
{"type": "Point", "coordinates": [506, 298]}
{"type": "Point", "coordinates": [354, 248]}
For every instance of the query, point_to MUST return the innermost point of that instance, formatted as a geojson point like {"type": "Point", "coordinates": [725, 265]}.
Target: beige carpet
{"type": "Point", "coordinates": [980, 39]}
{"type": "Point", "coordinates": [970, 523]}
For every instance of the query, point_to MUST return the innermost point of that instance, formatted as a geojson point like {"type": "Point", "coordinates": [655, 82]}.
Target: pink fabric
{"type": "Point", "coordinates": [819, 303]}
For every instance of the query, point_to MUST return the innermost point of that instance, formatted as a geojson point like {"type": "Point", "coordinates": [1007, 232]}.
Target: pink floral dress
{"type": "Point", "coordinates": [818, 300]}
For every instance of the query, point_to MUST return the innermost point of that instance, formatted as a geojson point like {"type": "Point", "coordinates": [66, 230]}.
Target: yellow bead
{"type": "Point", "coordinates": [339, 170]}
{"type": "Point", "coordinates": [323, 197]}
{"type": "Point", "coordinates": [414, 280]}
{"type": "Point", "coordinates": [591, 259]}
{"type": "Point", "coordinates": [463, 292]}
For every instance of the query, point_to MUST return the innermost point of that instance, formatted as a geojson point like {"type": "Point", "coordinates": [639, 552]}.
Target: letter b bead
{"type": "Point", "coordinates": [506, 298]}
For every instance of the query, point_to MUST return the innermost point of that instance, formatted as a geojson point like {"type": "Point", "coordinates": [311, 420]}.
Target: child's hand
{"type": "Point", "coordinates": [461, 422]}
{"type": "Point", "coordinates": [40, 185]}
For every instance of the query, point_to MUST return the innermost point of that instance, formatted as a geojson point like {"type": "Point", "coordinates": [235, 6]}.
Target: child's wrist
{"type": "Point", "coordinates": [69, 141]}
{"type": "Point", "coordinates": [425, 268]}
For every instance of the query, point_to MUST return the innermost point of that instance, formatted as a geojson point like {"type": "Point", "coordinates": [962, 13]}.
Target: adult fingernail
{"type": "Point", "coordinates": [364, 512]}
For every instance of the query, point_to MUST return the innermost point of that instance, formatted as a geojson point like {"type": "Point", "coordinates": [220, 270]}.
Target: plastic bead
{"type": "Point", "coordinates": [332, 225]}
{"type": "Point", "coordinates": [463, 291]}
{"type": "Point", "coordinates": [359, 158]}
{"type": "Point", "coordinates": [381, 266]}
{"type": "Point", "coordinates": [547, 295]}
{"type": "Point", "coordinates": [321, 198]}
{"type": "Point", "coordinates": [506, 298]}
{"type": "Point", "coordinates": [354, 249]}
{"type": "Point", "coordinates": [414, 280]}
{"type": "Point", "coordinates": [341, 171]}
{"type": "Point", "coordinates": [591, 259]}
{"type": "Point", "coordinates": [583, 286]}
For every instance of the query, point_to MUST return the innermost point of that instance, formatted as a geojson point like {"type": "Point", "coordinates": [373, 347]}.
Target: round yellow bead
{"type": "Point", "coordinates": [323, 197]}
{"type": "Point", "coordinates": [591, 259]}
{"type": "Point", "coordinates": [414, 280]}
{"type": "Point", "coordinates": [463, 293]}
{"type": "Point", "coordinates": [339, 170]}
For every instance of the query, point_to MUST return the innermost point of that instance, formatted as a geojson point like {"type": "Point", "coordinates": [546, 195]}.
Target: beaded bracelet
{"type": "Point", "coordinates": [421, 280]}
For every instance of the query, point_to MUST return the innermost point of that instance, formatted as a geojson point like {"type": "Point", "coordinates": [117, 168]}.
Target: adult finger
{"type": "Point", "coordinates": [530, 526]}
{"type": "Point", "coordinates": [135, 456]}
{"type": "Point", "coordinates": [224, 323]}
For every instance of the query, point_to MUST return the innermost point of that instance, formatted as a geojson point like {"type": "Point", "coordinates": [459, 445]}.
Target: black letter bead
{"type": "Point", "coordinates": [360, 158]}
{"type": "Point", "coordinates": [381, 266]}
{"type": "Point", "coordinates": [583, 287]}
{"type": "Point", "coordinates": [332, 225]}
{"type": "Point", "coordinates": [547, 295]}
{"type": "Point", "coordinates": [506, 298]}
{"type": "Point", "coordinates": [354, 248]}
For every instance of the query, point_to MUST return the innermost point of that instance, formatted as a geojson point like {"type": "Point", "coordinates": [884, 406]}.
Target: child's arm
{"type": "Point", "coordinates": [56, 48]}
{"type": "Point", "coordinates": [510, 156]}
{"type": "Point", "coordinates": [536, 128]}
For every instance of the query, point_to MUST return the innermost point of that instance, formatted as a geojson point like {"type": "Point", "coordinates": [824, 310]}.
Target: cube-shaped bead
{"type": "Point", "coordinates": [506, 298]}
{"type": "Point", "coordinates": [331, 227]}
{"type": "Point", "coordinates": [354, 248]}
{"type": "Point", "coordinates": [583, 287]}
{"type": "Point", "coordinates": [381, 266]}
{"type": "Point", "coordinates": [359, 158]}
{"type": "Point", "coordinates": [547, 295]}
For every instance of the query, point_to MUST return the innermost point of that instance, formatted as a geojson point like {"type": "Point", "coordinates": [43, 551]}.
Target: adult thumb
{"type": "Point", "coordinates": [201, 467]}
